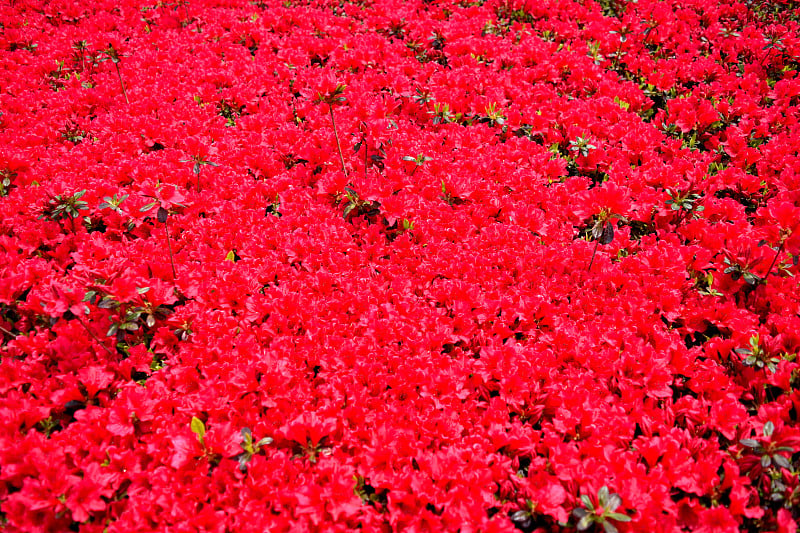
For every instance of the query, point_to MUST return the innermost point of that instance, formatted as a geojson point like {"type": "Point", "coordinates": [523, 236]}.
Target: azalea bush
{"type": "Point", "coordinates": [399, 266]}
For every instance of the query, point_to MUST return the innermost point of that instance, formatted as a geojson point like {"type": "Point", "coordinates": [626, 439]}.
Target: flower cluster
{"type": "Point", "coordinates": [319, 265]}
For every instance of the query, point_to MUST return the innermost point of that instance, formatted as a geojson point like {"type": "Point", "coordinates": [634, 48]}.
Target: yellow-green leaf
{"type": "Point", "coordinates": [198, 428]}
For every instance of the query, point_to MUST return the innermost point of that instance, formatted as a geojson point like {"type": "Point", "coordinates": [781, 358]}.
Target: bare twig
{"type": "Point", "coordinates": [774, 260]}
{"type": "Point", "coordinates": [121, 84]}
{"type": "Point", "coordinates": [336, 135]}
{"type": "Point", "coordinates": [596, 243]}
{"type": "Point", "coordinates": [93, 335]}
{"type": "Point", "coordinates": [169, 247]}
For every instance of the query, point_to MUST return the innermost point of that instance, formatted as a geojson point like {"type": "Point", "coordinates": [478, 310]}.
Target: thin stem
{"type": "Point", "coordinates": [336, 135]}
{"type": "Point", "coordinates": [596, 243]}
{"type": "Point", "coordinates": [119, 75]}
{"type": "Point", "coordinates": [4, 330]}
{"type": "Point", "coordinates": [92, 335]}
{"type": "Point", "coordinates": [169, 247]}
{"type": "Point", "coordinates": [774, 260]}
{"type": "Point", "coordinates": [366, 151]}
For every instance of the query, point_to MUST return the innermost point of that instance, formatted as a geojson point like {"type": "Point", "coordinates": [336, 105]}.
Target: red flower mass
{"type": "Point", "coordinates": [472, 266]}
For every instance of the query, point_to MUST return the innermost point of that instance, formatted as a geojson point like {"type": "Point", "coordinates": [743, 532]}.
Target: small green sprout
{"type": "Point", "coordinates": [602, 514]}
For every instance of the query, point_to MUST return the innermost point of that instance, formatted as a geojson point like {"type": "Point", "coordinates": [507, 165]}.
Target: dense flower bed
{"type": "Point", "coordinates": [399, 266]}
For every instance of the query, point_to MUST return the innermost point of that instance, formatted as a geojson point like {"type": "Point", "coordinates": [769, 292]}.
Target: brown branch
{"type": "Point", "coordinates": [93, 335]}
{"type": "Point", "coordinates": [336, 135]}
{"type": "Point", "coordinates": [124, 93]}
{"type": "Point", "coordinates": [596, 243]}
{"type": "Point", "coordinates": [774, 260]}
{"type": "Point", "coordinates": [169, 247]}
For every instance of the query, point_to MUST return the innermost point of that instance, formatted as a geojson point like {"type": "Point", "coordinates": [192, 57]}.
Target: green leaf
{"type": "Point", "coordinates": [751, 278]}
{"type": "Point", "coordinates": [243, 459]}
{"type": "Point", "coordinates": [613, 502]}
{"type": "Point", "coordinates": [587, 502]}
{"type": "Point", "coordinates": [766, 461]}
{"type": "Point", "coordinates": [247, 441]}
{"type": "Point", "coordinates": [597, 229]}
{"type": "Point", "coordinates": [585, 522]}
{"type": "Point", "coordinates": [781, 461]}
{"type": "Point", "coordinates": [231, 256]}
{"type": "Point", "coordinates": [750, 443]}
{"type": "Point", "coordinates": [608, 527]}
{"type": "Point", "coordinates": [769, 429]}
{"type": "Point", "coordinates": [580, 512]}
{"type": "Point", "coordinates": [198, 428]}
{"type": "Point", "coordinates": [754, 342]}
{"type": "Point", "coordinates": [603, 495]}
{"type": "Point", "coordinates": [608, 234]}
{"type": "Point", "coordinates": [619, 517]}
{"type": "Point", "coordinates": [148, 207]}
